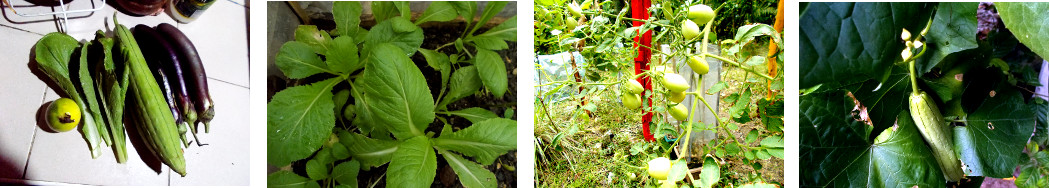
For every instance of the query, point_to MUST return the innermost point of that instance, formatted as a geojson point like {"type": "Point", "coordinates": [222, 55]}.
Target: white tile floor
{"type": "Point", "coordinates": [28, 154]}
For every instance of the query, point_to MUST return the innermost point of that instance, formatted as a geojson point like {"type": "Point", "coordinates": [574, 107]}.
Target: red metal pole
{"type": "Point", "coordinates": [639, 10]}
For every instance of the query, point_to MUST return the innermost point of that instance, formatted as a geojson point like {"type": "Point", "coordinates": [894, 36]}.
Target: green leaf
{"type": "Point", "coordinates": [993, 140]}
{"type": "Point", "coordinates": [842, 43]}
{"type": "Point", "coordinates": [953, 30]}
{"type": "Point", "coordinates": [489, 43]}
{"type": "Point", "coordinates": [1027, 22]}
{"type": "Point", "coordinates": [464, 82]}
{"type": "Point", "coordinates": [838, 151]}
{"type": "Point", "coordinates": [762, 154]}
{"type": "Point", "coordinates": [344, 57]}
{"type": "Point", "coordinates": [297, 60]}
{"type": "Point", "coordinates": [466, 9]}
{"type": "Point", "coordinates": [678, 170]}
{"type": "Point", "coordinates": [490, 10]}
{"type": "Point", "coordinates": [752, 136]}
{"type": "Point", "coordinates": [391, 31]}
{"type": "Point", "coordinates": [413, 165]}
{"type": "Point", "coordinates": [371, 152]}
{"type": "Point", "coordinates": [324, 155]}
{"type": "Point", "coordinates": [774, 145]}
{"type": "Point", "coordinates": [316, 169]}
{"type": "Point", "coordinates": [711, 173]}
{"type": "Point", "coordinates": [758, 185]}
{"type": "Point", "coordinates": [383, 10]}
{"type": "Point", "coordinates": [435, 59]}
{"type": "Point", "coordinates": [289, 179]}
{"type": "Point", "coordinates": [91, 96]}
{"type": "Point", "coordinates": [505, 31]}
{"type": "Point", "coordinates": [439, 11]}
{"type": "Point", "coordinates": [346, 173]}
{"type": "Point", "coordinates": [299, 120]}
{"type": "Point", "coordinates": [745, 34]}
{"type": "Point", "coordinates": [318, 40]}
{"type": "Point", "coordinates": [347, 17]}
{"type": "Point", "coordinates": [485, 141]}
{"type": "Point", "coordinates": [475, 114]}
{"type": "Point", "coordinates": [492, 70]}
{"type": "Point", "coordinates": [339, 151]}
{"type": "Point", "coordinates": [397, 92]}
{"type": "Point", "coordinates": [470, 174]}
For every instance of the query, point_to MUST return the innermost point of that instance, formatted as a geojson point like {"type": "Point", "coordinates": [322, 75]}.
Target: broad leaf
{"type": "Point", "coordinates": [339, 151]}
{"type": "Point", "coordinates": [289, 179]}
{"type": "Point", "coordinates": [464, 82]}
{"type": "Point", "coordinates": [297, 60]}
{"type": "Point", "coordinates": [492, 70]}
{"type": "Point", "coordinates": [842, 43]}
{"type": "Point", "coordinates": [300, 119]}
{"type": "Point", "coordinates": [370, 152]}
{"type": "Point", "coordinates": [316, 169]}
{"type": "Point", "coordinates": [465, 8]}
{"type": "Point", "coordinates": [438, 11]}
{"type": "Point", "coordinates": [506, 31]}
{"type": "Point", "coordinates": [489, 43]}
{"type": "Point", "coordinates": [490, 10]}
{"type": "Point", "coordinates": [711, 173]}
{"type": "Point", "coordinates": [413, 165]}
{"type": "Point", "coordinates": [774, 144]}
{"type": "Point", "coordinates": [993, 141]}
{"type": "Point", "coordinates": [397, 92]}
{"type": "Point", "coordinates": [346, 173]}
{"type": "Point", "coordinates": [475, 114]}
{"type": "Point", "coordinates": [470, 174]}
{"type": "Point", "coordinates": [678, 170]}
{"type": "Point", "coordinates": [484, 141]}
{"type": "Point", "coordinates": [347, 17]}
{"type": "Point", "coordinates": [383, 10]}
{"type": "Point", "coordinates": [397, 31]}
{"type": "Point", "coordinates": [318, 40]}
{"type": "Point", "coordinates": [836, 149]}
{"type": "Point", "coordinates": [1027, 22]}
{"type": "Point", "coordinates": [344, 55]}
{"type": "Point", "coordinates": [953, 30]}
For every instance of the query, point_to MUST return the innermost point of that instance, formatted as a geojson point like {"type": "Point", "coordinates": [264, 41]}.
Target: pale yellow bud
{"type": "Point", "coordinates": [906, 54]}
{"type": "Point", "coordinates": [906, 35]}
{"type": "Point", "coordinates": [917, 44]}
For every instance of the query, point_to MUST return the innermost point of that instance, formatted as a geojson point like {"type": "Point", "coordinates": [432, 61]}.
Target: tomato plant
{"type": "Point", "coordinates": [363, 111]}
{"type": "Point", "coordinates": [941, 92]}
{"type": "Point", "coordinates": [587, 68]}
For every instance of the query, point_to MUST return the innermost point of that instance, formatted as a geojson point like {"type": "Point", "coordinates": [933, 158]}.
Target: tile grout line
{"type": "Point", "coordinates": [20, 29]}
{"type": "Point", "coordinates": [230, 83]}
{"type": "Point", "coordinates": [25, 170]}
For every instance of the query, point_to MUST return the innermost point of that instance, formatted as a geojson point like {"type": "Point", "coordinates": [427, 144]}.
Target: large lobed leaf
{"type": "Point", "coordinates": [484, 141]}
{"type": "Point", "coordinates": [1028, 21]}
{"type": "Point", "coordinates": [397, 92]}
{"type": "Point", "coordinates": [413, 165]}
{"type": "Point", "coordinates": [836, 150]}
{"type": "Point", "coordinates": [993, 141]}
{"type": "Point", "coordinates": [844, 43]}
{"type": "Point", "coordinates": [953, 30]}
{"type": "Point", "coordinates": [300, 119]}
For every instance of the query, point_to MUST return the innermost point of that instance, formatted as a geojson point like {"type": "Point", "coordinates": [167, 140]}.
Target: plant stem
{"type": "Point", "coordinates": [734, 63]}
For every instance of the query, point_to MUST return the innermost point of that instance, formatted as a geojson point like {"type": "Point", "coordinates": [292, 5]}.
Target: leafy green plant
{"type": "Point", "coordinates": [874, 90]}
{"type": "Point", "coordinates": [388, 106]}
{"type": "Point", "coordinates": [605, 40]}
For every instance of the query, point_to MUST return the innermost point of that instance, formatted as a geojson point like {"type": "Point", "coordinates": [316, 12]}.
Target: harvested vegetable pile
{"type": "Point", "coordinates": [162, 85]}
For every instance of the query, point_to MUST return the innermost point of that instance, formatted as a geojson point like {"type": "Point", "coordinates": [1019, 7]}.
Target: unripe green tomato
{"type": "Point", "coordinates": [63, 115]}
{"type": "Point", "coordinates": [540, 14]}
{"type": "Point", "coordinates": [679, 112]}
{"type": "Point", "coordinates": [575, 10]}
{"type": "Point", "coordinates": [701, 14]}
{"type": "Point", "coordinates": [631, 101]}
{"type": "Point", "coordinates": [698, 65]}
{"type": "Point", "coordinates": [571, 23]}
{"type": "Point", "coordinates": [677, 97]}
{"type": "Point", "coordinates": [634, 87]}
{"type": "Point", "coordinates": [689, 29]}
{"type": "Point", "coordinates": [658, 168]}
{"type": "Point", "coordinates": [674, 82]}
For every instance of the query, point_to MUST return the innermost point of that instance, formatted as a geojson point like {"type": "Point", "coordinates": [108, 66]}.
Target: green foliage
{"type": "Point", "coordinates": [391, 100]}
{"type": "Point", "coordinates": [860, 87]}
